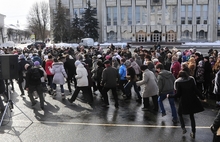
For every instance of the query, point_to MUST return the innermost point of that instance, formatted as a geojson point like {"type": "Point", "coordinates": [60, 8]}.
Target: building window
{"type": "Point", "coordinates": [189, 14]}
{"type": "Point", "coordinates": [198, 14]}
{"type": "Point", "coordinates": [126, 16]}
{"type": "Point", "coordinates": [201, 35]}
{"type": "Point", "coordinates": [111, 16]}
{"type": "Point", "coordinates": [171, 15]}
{"type": "Point", "coordinates": [141, 37]}
{"type": "Point", "coordinates": [115, 15]}
{"type": "Point", "coordinates": [218, 33]}
{"type": "Point", "coordinates": [111, 36]}
{"type": "Point", "coordinates": [186, 35]}
{"type": "Point", "coordinates": [183, 14]}
{"type": "Point", "coordinates": [205, 14]}
{"type": "Point", "coordinates": [108, 16]}
{"type": "Point", "coordinates": [156, 15]}
{"type": "Point", "coordinates": [137, 15]}
{"type": "Point", "coordinates": [123, 17]}
{"type": "Point", "coordinates": [129, 16]}
{"type": "Point", "coordinates": [219, 9]}
{"type": "Point", "coordinates": [218, 20]}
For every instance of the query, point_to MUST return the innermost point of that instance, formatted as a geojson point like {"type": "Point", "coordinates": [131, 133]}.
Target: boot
{"type": "Point", "coordinates": [63, 96]}
{"type": "Point", "coordinates": [54, 94]}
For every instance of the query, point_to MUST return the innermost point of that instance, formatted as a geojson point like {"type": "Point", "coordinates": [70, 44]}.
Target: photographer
{"type": "Point", "coordinates": [215, 128]}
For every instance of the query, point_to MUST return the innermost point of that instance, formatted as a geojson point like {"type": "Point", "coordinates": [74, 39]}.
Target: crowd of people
{"type": "Point", "coordinates": [155, 74]}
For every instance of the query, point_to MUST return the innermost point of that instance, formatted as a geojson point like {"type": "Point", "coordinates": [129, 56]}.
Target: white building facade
{"type": "Point", "coordinates": [150, 20]}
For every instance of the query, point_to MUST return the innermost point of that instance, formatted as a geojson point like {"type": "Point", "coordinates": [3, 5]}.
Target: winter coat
{"type": "Point", "coordinates": [136, 67]}
{"type": "Point", "coordinates": [187, 91]}
{"type": "Point", "coordinates": [81, 76]}
{"type": "Point", "coordinates": [21, 68]}
{"type": "Point", "coordinates": [99, 74]}
{"type": "Point", "coordinates": [150, 84]}
{"type": "Point", "coordinates": [59, 73]}
{"type": "Point", "coordinates": [175, 68]}
{"type": "Point", "coordinates": [122, 72]}
{"type": "Point", "coordinates": [30, 81]}
{"type": "Point", "coordinates": [199, 74]}
{"type": "Point", "coordinates": [216, 89]}
{"type": "Point", "coordinates": [165, 82]}
{"type": "Point", "coordinates": [207, 71]}
{"type": "Point", "coordinates": [110, 77]}
{"type": "Point", "coordinates": [48, 64]}
{"type": "Point", "coordinates": [138, 61]}
{"type": "Point", "coordinates": [70, 67]}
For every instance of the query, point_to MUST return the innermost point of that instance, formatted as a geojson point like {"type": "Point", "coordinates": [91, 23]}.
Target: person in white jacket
{"type": "Point", "coordinates": [58, 78]}
{"type": "Point", "coordinates": [82, 82]}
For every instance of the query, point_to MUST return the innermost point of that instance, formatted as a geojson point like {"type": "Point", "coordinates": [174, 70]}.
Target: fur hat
{"type": "Point", "coordinates": [26, 66]}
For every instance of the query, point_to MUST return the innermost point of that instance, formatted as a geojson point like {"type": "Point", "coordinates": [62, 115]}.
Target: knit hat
{"type": "Point", "coordinates": [107, 57]}
{"type": "Point", "coordinates": [206, 57]}
{"type": "Point", "coordinates": [36, 63]}
{"type": "Point", "coordinates": [127, 63]}
{"type": "Point", "coordinates": [99, 56]}
{"type": "Point", "coordinates": [77, 63]}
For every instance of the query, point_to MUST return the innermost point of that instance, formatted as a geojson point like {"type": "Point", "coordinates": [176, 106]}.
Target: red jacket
{"type": "Point", "coordinates": [175, 68]}
{"type": "Point", "coordinates": [48, 64]}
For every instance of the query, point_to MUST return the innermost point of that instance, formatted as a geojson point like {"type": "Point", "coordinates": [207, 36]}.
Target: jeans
{"type": "Point", "coordinates": [128, 89]}
{"type": "Point", "coordinates": [172, 104]}
{"type": "Point", "coordinates": [61, 87]}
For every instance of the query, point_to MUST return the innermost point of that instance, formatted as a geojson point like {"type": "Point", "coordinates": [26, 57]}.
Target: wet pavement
{"type": "Point", "coordinates": [79, 122]}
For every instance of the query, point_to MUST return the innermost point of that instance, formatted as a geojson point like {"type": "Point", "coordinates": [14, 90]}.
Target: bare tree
{"type": "Point", "coordinates": [38, 19]}
{"type": "Point", "coordinates": [10, 33]}
{"type": "Point", "coordinates": [1, 33]}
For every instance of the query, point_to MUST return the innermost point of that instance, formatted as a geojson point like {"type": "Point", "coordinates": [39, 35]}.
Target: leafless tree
{"type": "Point", "coordinates": [38, 19]}
{"type": "Point", "coordinates": [1, 33]}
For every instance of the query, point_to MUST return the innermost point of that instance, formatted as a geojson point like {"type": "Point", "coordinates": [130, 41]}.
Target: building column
{"type": "Point", "coordinates": [163, 22]}
{"type": "Point", "coordinates": [133, 5]}
{"type": "Point", "coordinates": [104, 19]}
{"type": "Point", "coordinates": [99, 17]}
{"type": "Point", "coordinates": [179, 21]}
{"type": "Point", "coordinates": [194, 22]}
{"type": "Point", "coordinates": [148, 21]}
{"type": "Point", "coordinates": [71, 11]}
{"type": "Point", "coordinates": [119, 21]}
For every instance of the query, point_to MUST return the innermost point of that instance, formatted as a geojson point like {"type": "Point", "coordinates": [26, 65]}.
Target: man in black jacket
{"type": "Point", "coordinates": [110, 79]}
{"type": "Point", "coordinates": [33, 83]}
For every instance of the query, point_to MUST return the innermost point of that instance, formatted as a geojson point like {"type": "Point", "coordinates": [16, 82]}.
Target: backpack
{"type": "Point", "coordinates": [35, 74]}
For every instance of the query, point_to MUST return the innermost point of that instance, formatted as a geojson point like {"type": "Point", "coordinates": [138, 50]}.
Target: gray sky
{"type": "Point", "coordinates": [17, 10]}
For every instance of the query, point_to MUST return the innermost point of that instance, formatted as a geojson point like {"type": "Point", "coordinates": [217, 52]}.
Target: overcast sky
{"type": "Point", "coordinates": [16, 10]}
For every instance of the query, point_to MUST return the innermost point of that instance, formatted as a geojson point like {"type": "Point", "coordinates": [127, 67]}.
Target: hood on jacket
{"type": "Point", "coordinates": [166, 74]}
{"type": "Point", "coordinates": [57, 64]}
{"type": "Point", "coordinates": [80, 66]}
